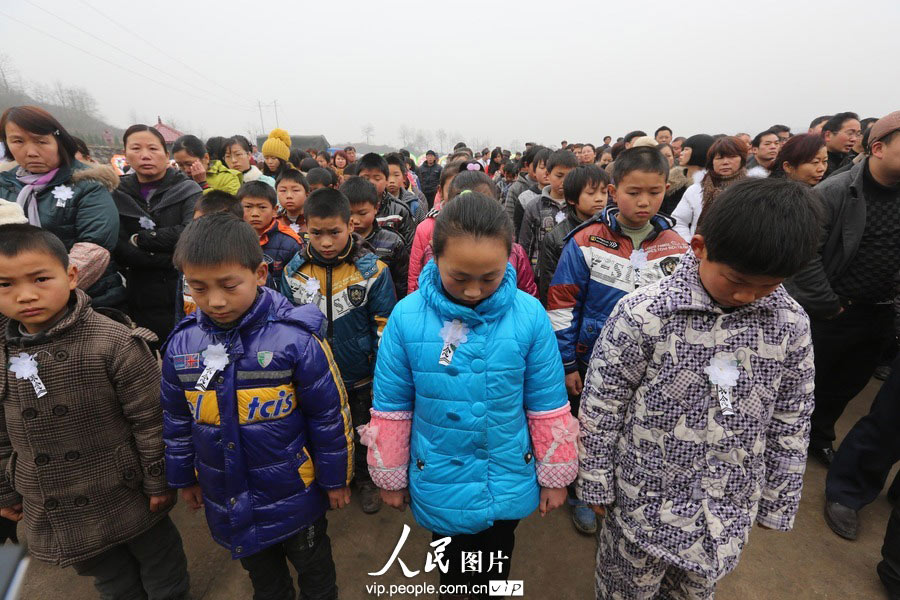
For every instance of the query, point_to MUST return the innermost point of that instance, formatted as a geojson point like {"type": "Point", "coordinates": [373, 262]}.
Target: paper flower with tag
{"type": "Point", "coordinates": [638, 258]}
{"type": "Point", "coordinates": [215, 357]}
{"type": "Point", "coordinates": [147, 223]}
{"type": "Point", "coordinates": [295, 227]}
{"type": "Point", "coordinates": [560, 217]}
{"type": "Point", "coordinates": [454, 333]}
{"type": "Point", "coordinates": [312, 286]}
{"type": "Point", "coordinates": [62, 193]}
{"type": "Point", "coordinates": [722, 373]}
{"type": "Point", "coordinates": [23, 365]}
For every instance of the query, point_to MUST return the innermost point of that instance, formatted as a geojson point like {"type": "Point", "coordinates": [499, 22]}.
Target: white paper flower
{"type": "Point", "coordinates": [722, 372]}
{"type": "Point", "coordinates": [295, 227]}
{"type": "Point", "coordinates": [638, 258]}
{"type": "Point", "coordinates": [147, 223]}
{"type": "Point", "coordinates": [454, 333]}
{"type": "Point", "coordinates": [560, 217]}
{"type": "Point", "coordinates": [215, 357]}
{"type": "Point", "coordinates": [63, 193]}
{"type": "Point", "coordinates": [23, 365]}
{"type": "Point", "coordinates": [311, 286]}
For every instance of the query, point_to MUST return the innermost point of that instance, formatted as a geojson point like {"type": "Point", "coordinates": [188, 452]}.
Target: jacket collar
{"type": "Point", "coordinates": [659, 221]}
{"type": "Point", "coordinates": [255, 316]}
{"type": "Point", "coordinates": [173, 181]}
{"type": "Point", "coordinates": [488, 310]}
{"type": "Point", "coordinates": [79, 308]}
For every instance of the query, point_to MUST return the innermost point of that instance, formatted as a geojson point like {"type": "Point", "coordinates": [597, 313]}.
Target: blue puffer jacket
{"type": "Point", "coordinates": [272, 431]}
{"type": "Point", "coordinates": [471, 457]}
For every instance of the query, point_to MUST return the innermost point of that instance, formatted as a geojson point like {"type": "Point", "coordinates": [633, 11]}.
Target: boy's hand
{"type": "Point", "coordinates": [551, 499]}
{"type": "Point", "coordinates": [162, 501]}
{"type": "Point", "coordinates": [193, 496]}
{"type": "Point", "coordinates": [574, 385]}
{"type": "Point", "coordinates": [598, 509]}
{"type": "Point", "coordinates": [13, 513]}
{"type": "Point", "coordinates": [397, 499]}
{"type": "Point", "coordinates": [339, 498]}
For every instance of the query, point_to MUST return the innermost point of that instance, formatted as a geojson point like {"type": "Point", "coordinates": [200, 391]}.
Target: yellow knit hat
{"type": "Point", "coordinates": [278, 144]}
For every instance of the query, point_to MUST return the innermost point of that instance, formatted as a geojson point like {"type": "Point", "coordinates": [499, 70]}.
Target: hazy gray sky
{"type": "Point", "coordinates": [494, 71]}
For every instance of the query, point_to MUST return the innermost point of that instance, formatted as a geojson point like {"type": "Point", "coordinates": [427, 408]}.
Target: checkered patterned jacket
{"type": "Point", "coordinates": [686, 480]}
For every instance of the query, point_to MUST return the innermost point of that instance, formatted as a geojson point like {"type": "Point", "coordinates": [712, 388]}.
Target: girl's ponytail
{"type": "Point", "coordinates": [471, 214]}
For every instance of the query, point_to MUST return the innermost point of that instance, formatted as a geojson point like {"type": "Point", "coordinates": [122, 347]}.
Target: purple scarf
{"type": "Point", "coordinates": [27, 198]}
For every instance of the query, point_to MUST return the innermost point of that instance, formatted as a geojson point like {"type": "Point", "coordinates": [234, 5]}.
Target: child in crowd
{"type": "Point", "coordinates": [478, 181]}
{"type": "Point", "coordinates": [505, 177]}
{"type": "Point", "coordinates": [696, 407]}
{"type": "Point", "coordinates": [278, 241]}
{"type": "Point", "coordinates": [80, 428]}
{"type": "Point", "coordinates": [585, 191]}
{"type": "Point", "coordinates": [470, 423]}
{"type": "Point", "coordinates": [256, 422]}
{"type": "Point", "coordinates": [538, 172]}
{"type": "Point", "coordinates": [393, 213]}
{"type": "Point", "coordinates": [353, 289]}
{"type": "Point", "coordinates": [387, 244]}
{"type": "Point", "coordinates": [277, 152]}
{"type": "Point", "coordinates": [525, 181]}
{"type": "Point", "coordinates": [292, 189]}
{"type": "Point", "coordinates": [319, 178]}
{"type": "Point", "coordinates": [213, 202]}
{"type": "Point", "coordinates": [398, 182]}
{"type": "Point", "coordinates": [422, 239]}
{"type": "Point", "coordinates": [546, 212]}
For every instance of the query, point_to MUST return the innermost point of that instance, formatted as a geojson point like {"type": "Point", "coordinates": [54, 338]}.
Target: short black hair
{"type": "Point", "coordinates": [16, 238]}
{"type": "Point", "coordinates": [662, 128]}
{"type": "Point", "coordinates": [351, 170]}
{"type": "Point", "coordinates": [530, 154]}
{"type": "Point", "coordinates": [190, 144]}
{"type": "Point", "coordinates": [258, 189]}
{"type": "Point", "coordinates": [633, 134]}
{"type": "Point", "coordinates": [359, 190]}
{"type": "Point", "coordinates": [756, 141]}
{"type": "Point", "coordinates": [835, 123]}
{"type": "Point", "coordinates": [579, 178]}
{"type": "Point", "coordinates": [562, 158]}
{"type": "Point", "coordinates": [818, 120]}
{"type": "Point", "coordinates": [396, 159]}
{"type": "Point", "coordinates": [320, 176]}
{"type": "Point", "coordinates": [201, 243]}
{"type": "Point", "coordinates": [373, 162]}
{"type": "Point", "coordinates": [295, 176]}
{"type": "Point", "coordinates": [643, 158]}
{"type": "Point", "coordinates": [763, 226]}
{"type": "Point", "coordinates": [325, 203]}
{"type": "Point", "coordinates": [308, 164]}
{"type": "Point", "coordinates": [541, 156]}
{"type": "Point", "coordinates": [472, 214]}
{"type": "Point", "coordinates": [780, 128]}
{"type": "Point", "coordinates": [510, 167]}
{"type": "Point", "coordinates": [218, 201]}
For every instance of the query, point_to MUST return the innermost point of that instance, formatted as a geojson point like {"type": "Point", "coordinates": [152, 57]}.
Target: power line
{"type": "Point", "coordinates": [118, 66]}
{"type": "Point", "coordinates": [126, 53]}
{"type": "Point", "coordinates": [158, 49]}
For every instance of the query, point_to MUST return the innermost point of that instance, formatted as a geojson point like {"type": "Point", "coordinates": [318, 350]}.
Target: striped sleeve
{"type": "Point", "coordinates": [565, 300]}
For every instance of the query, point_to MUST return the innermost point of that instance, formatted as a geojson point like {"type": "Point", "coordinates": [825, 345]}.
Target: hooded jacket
{"type": "Point", "coordinates": [88, 217]}
{"type": "Point", "coordinates": [220, 177]}
{"type": "Point", "coordinates": [598, 266]}
{"type": "Point", "coordinates": [686, 479]}
{"type": "Point", "coordinates": [83, 458]}
{"type": "Point", "coordinates": [355, 294]}
{"type": "Point", "coordinates": [471, 459]}
{"type": "Point", "coordinates": [154, 225]}
{"type": "Point", "coordinates": [271, 432]}
{"type": "Point", "coordinates": [518, 259]}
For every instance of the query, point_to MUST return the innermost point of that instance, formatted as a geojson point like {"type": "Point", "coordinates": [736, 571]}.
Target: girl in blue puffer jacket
{"type": "Point", "coordinates": [470, 420]}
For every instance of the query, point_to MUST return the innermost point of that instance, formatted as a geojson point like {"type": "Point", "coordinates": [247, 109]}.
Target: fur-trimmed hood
{"type": "Point", "coordinates": [105, 175]}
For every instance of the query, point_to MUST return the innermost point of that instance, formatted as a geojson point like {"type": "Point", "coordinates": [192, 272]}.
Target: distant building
{"type": "Point", "coordinates": [170, 134]}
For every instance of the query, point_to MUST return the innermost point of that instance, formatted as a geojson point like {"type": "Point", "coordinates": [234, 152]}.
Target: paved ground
{"type": "Point", "coordinates": [554, 561]}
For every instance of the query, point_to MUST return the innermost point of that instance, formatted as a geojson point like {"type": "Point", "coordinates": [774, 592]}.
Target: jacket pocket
{"type": "Point", "coordinates": [10, 472]}
{"type": "Point", "coordinates": [129, 467]}
{"type": "Point", "coordinates": [307, 469]}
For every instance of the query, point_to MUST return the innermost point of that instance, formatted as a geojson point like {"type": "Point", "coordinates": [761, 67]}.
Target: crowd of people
{"type": "Point", "coordinates": [656, 332]}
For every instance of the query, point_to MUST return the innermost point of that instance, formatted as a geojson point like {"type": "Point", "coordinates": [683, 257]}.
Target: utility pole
{"type": "Point", "coordinates": [263, 125]}
{"type": "Point", "coordinates": [275, 104]}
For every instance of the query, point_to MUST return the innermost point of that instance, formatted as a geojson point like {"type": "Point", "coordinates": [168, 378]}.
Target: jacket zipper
{"type": "Point", "coordinates": [328, 310]}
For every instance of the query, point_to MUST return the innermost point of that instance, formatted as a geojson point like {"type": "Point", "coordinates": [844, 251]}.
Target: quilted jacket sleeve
{"type": "Point", "coordinates": [328, 426]}
{"type": "Point", "coordinates": [787, 436]}
{"type": "Point", "coordinates": [177, 428]}
{"type": "Point", "coordinates": [565, 301]}
{"type": "Point", "coordinates": [618, 365]}
{"type": "Point", "coordinates": [545, 386]}
{"type": "Point", "coordinates": [97, 219]}
{"type": "Point", "coordinates": [393, 386]}
{"type": "Point", "coordinates": [415, 256]}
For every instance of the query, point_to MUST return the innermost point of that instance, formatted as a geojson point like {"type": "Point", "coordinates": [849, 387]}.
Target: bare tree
{"type": "Point", "coordinates": [7, 72]}
{"type": "Point", "coordinates": [442, 138]}
{"type": "Point", "coordinates": [407, 136]}
{"type": "Point", "coordinates": [368, 131]}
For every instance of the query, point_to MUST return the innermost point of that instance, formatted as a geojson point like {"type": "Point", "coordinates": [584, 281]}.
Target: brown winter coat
{"type": "Point", "coordinates": [84, 458]}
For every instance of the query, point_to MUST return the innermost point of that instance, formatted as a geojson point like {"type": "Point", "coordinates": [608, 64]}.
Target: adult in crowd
{"type": "Point", "coordinates": [430, 176]}
{"type": "Point", "coordinates": [68, 198]}
{"type": "Point", "coordinates": [663, 135]}
{"type": "Point", "coordinates": [691, 169]}
{"type": "Point", "coordinates": [840, 132]}
{"type": "Point", "coordinates": [588, 154]}
{"type": "Point", "coordinates": [764, 148]}
{"type": "Point", "coordinates": [782, 131]}
{"type": "Point", "coordinates": [194, 160]}
{"type": "Point", "coordinates": [350, 151]}
{"type": "Point", "coordinates": [155, 204]}
{"type": "Point", "coordinates": [803, 158]}
{"type": "Point", "coordinates": [848, 289]}
{"type": "Point", "coordinates": [677, 146]}
{"type": "Point", "coordinates": [726, 163]}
